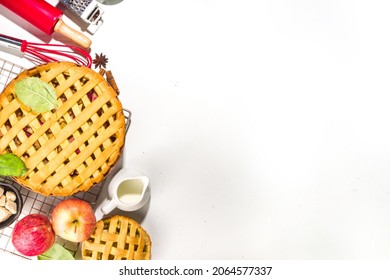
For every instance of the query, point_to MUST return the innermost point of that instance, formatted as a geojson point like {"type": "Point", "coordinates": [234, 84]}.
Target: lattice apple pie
{"type": "Point", "coordinates": [73, 147]}
{"type": "Point", "coordinates": [117, 238]}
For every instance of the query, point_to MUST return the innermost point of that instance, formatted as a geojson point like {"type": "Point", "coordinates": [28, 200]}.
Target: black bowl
{"type": "Point", "coordinates": [18, 201]}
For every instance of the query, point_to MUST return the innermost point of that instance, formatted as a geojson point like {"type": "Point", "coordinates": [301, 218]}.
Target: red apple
{"type": "Point", "coordinates": [33, 235]}
{"type": "Point", "coordinates": [73, 219]}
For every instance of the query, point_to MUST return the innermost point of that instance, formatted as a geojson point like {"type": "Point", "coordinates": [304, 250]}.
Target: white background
{"type": "Point", "coordinates": [263, 125]}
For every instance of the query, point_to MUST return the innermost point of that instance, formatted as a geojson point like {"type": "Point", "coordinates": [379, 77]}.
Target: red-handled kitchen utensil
{"type": "Point", "coordinates": [47, 52]}
{"type": "Point", "coordinates": [45, 17]}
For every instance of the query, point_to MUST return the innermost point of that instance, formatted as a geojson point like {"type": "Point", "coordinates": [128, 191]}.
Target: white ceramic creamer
{"type": "Point", "coordinates": [129, 190]}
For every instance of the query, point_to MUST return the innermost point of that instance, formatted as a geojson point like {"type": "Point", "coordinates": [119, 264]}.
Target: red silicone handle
{"type": "Point", "coordinates": [37, 12]}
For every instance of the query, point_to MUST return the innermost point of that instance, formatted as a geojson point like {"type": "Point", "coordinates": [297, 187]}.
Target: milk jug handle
{"type": "Point", "coordinates": [108, 206]}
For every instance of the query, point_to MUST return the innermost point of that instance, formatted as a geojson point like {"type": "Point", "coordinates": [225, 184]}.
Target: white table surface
{"type": "Point", "coordinates": [264, 126]}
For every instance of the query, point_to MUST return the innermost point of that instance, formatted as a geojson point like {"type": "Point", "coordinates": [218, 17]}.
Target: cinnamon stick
{"type": "Point", "coordinates": [111, 81]}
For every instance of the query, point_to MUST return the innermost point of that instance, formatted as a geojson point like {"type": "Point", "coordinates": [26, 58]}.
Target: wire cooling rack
{"type": "Point", "coordinates": [37, 203]}
{"type": "Point", "coordinates": [8, 71]}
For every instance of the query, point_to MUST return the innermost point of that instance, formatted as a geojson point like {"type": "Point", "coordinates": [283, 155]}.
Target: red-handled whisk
{"type": "Point", "coordinates": [47, 52]}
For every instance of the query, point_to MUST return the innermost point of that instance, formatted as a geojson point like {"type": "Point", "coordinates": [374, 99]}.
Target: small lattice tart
{"type": "Point", "coordinates": [117, 238]}
{"type": "Point", "coordinates": [73, 147]}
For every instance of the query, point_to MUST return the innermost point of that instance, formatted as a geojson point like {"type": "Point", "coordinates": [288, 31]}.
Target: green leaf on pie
{"type": "Point", "coordinates": [12, 165]}
{"type": "Point", "coordinates": [36, 94]}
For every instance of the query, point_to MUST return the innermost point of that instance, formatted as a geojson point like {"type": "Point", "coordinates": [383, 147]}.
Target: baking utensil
{"type": "Point", "coordinates": [87, 10]}
{"type": "Point", "coordinates": [47, 52]}
{"type": "Point", "coordinates": [47, 18]}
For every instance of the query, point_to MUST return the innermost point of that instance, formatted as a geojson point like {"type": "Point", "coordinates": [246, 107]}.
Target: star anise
{"type": "Point", "coordinates": [100, 61]}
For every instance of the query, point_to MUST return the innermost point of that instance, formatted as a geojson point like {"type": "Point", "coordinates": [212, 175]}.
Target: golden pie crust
{"type": "Point", "coordinates": [117, 238]}
{"type": "Point", "coordinates": [73, 147]}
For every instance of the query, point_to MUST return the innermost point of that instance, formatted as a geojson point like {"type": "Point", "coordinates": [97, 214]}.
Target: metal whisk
{"type": "Point", "coordinates": [47, 52]}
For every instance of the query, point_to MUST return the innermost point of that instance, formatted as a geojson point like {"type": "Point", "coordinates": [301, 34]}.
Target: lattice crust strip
{"type": "Point", "coordinates": [117, 238]}
{"type": "Point", "coordinates": [73, 147]}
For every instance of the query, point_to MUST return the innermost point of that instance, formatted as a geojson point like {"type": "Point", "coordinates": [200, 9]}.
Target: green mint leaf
{"type": "Point", "coordinates": [12, 165]}
{"type": "Point", "coordinates": [56, 252]}
{"type": "Point", "coordinates": [36, 94]}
